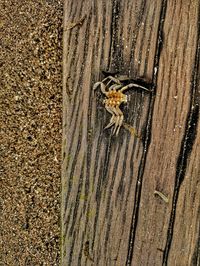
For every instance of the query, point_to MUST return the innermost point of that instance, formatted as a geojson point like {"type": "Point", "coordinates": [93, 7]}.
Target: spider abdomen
{"type": "Point", "coordinates": [115, 98]}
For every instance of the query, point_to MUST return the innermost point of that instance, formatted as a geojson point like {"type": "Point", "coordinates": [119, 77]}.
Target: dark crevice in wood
{"type": "Point", "coordinates": [76, 118]}
{"type": "Point", "coordinates": [75, 44]}
{"type": "Point", "coordinates": [72, 18]}
{"type": "Point", "coordinates": [72, 247]}
{"type": "Point", "coordinates": [147, 138]}
{"type": "Point", "coordinates": [73, 167]}
{"type": "Point", "coordinates": [196, 254]}
{"type": "Point", "coordinates": [67, 219]}
{"type": "Point", "coordinates": [133, 44]}
{"type": "Point", "coordinates": [114, 29]}
{"type": "Point", "coordinates": [186, 149]}
{"type": "Point", "coordinates": [85, 49]}
{"type": "Point", "coordinates": [101, 179]}
{"type": "Point", "coordinates": [187, 144]}
{"type": "Point", "coordinates": [108, 205]}
{"type": "Point", "coordinates": [77, 201]}
{"type": "Point", "coordinates": [103, 41]}
{"type": "Point", "coordinates": [104, 167]}
{"type": "Point", "coordinates": [143, 38]}
{"type": "Point", "coordinates": [107, 234]}
{"type": "Point", "coordinates": [120, 189]}
{"type": "Point", "coordinates": [112, 34]}
{"type": "Point", "coordinates": [78, 110]}
{"type": "Point", "coordinates": [88, 180]}
{"type": "Point", "coordinates": [104, 172]}
{"type": "Point", "coordinates": [149, 42]}
{"type": "Point", "coordinates": [96, 160]}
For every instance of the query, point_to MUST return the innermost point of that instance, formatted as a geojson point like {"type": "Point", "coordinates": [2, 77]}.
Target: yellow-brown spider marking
{"type": "Point", "coordinates": [115, 97]}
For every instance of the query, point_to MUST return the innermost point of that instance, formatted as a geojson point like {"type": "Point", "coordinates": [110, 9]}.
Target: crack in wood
{"type": "Point", "coordinates": [186, 147]}
{"type": "Point", "coordinates": [196, 254]}
{"type": "Point", "coordinates": [113, 32]}
{"type": "Point", "coordinates": [147, 138]}
{"type": "Point", "coordinates": [187, 144]}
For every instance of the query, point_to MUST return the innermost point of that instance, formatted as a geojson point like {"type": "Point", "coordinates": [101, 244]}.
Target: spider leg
{"type": "Point", "coordinates": [112, 120]}
{"type": "Point", "coordinates": [96, 85]}
{"type": "Point", "coordinates": [119, 120]}
{"type": "Point", "coordinates": [115, 87]}
{"type": "Point", "coordinates": [116, 123]}
{"type": "Point", "coordinates": [111, 78]}
{"type": "Point", "coordinates": [131, 85]}
{"type": "Point", "coordinates": [103, 87]}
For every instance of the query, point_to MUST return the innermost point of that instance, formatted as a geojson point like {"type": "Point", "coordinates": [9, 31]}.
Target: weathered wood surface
{"type": "Point", "coordinates": [110, 212]}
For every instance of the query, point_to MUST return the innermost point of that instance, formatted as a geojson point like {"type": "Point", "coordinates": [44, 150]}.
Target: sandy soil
{"type": "Point", "coordinates": [30, 131]}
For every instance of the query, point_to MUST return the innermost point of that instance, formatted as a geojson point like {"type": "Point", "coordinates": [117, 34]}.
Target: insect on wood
{"type": "Point", "coordinates": [113, 88]}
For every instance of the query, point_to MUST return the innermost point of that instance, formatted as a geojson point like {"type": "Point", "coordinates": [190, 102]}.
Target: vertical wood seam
{"type": "Point", "coordinates": [147, 137]}
{"type": "Point", "coordinates": [187, 143]}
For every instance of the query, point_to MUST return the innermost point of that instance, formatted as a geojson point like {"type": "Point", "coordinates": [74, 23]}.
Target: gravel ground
{"type": "Point", "coordinates": [30, 131]}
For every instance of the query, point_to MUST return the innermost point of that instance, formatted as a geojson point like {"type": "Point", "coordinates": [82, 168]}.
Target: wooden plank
{"type": "Point", "coordinates": [107, 181]}
{"type": "Point", "coordinates": [160, 236]}
{"type": "Point", "coordinates": [184, 245]}
{"type": "Point", "coordinates": [185, 242]}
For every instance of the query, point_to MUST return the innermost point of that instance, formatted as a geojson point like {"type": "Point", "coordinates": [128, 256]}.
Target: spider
{"type": "Point", "coordinates": [115, 96]}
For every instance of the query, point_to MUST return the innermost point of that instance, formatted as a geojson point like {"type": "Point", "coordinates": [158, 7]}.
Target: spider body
{"type": "Point", "coordinates": [113, 88]}
{"type": "Point", "coordinates": [115, 98]}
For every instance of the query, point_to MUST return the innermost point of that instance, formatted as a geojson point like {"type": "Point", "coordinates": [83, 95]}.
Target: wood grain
{"type": "Point", "coordinates": [165, 161]}
{"type": "Point", "coordinates": [110, 214]}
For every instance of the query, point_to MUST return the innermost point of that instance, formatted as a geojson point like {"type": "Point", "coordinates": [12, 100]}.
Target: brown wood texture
{"type": "Point", "coordinates": [129, 200]}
